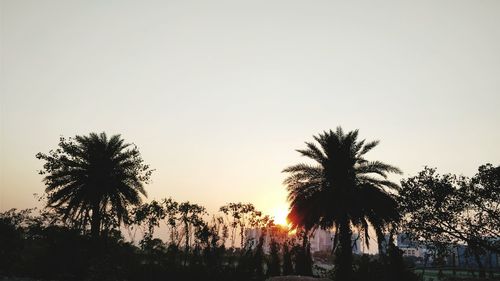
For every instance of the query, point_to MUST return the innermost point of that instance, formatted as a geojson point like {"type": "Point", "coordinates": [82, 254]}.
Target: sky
{"type": "Point", "coordinates": [217, 95]}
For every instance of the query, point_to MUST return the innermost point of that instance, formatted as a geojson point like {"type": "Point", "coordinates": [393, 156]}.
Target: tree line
{"type": "Point", "coordinates": [42, 244]}
{"type": "Point", "coordinates": [95, 187]}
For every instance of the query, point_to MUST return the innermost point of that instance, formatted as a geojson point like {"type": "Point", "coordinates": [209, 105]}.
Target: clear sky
{"type": "Point", "coordinates": [218, 94]}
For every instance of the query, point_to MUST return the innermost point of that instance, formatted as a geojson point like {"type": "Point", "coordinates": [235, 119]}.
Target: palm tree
{"type": "Point", "coordinates": [341, 190]}
{"type": "Point", "coordinates": [94, 179]}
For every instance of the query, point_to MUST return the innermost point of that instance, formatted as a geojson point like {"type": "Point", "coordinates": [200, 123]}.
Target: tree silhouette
{"type": "Point", "coordinates": [93, 179]}
{"type": "Point", "coordinates": [341, 189]}
{"type": "Point", "coordinates": [274, 262]}
{"type": "Point", "coordinates": [442, 210]}
{"type": "Point", "coordinates": [149, 215]}
{"type": "Point", "coordinates": [242, 216]}
{"type": "Point", "coordinates": [171, 208]}
{"type": "Point", "coordinates": [287, 259]}
{"type": "Point", "coordinates": [191, 216]}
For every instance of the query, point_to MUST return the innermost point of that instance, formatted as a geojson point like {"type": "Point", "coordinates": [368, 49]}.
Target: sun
{"type": "Point", "coordinates": [279, 215]}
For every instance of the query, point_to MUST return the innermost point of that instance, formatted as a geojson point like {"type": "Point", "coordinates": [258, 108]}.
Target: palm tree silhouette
{"type": "Point", "coordinates": [90, 178]}
{"type": "Point", "coordinates": [342, 190]}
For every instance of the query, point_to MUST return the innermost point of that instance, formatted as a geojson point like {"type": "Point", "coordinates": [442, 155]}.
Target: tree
{"type": "Point", "coordinates": [93, 179]}
{"type": "Point", "coordinates": [191, 216]}
{"type": "Point", "coordinates": [171, 208]}
{"type": "Point", "coordinates": [242, 216]}
{"type": "Point", "coordinates": [396, 268]}
{"type": "Point", "coordinates": [302, 254]}
{"type": "Point", "coordinates": [12, 238]}
{"type": "Point", "coordinates": [287, 259]}
{"type": "Point", "coordinates": [232, 210]}
{"type": "Point", "coordinates": [482, 195]}
{"type": "Point", "coordinates": [341, 189]}
{"type": "Point", "coordinates": [442, 210]}
{"type": "Point", "coordinates": [258, 256]}
{"type": "Point", "coordinates": [274, 263]}
{"type": "Point", "coordinates": [150, 215]}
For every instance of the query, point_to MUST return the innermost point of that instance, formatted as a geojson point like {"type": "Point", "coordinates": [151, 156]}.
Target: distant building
{"type": "Point", "coordinates": [458, 255]}
{"type": "Point", "coordinates": [320, 241]}
{"type": "Point", "coordinates": [418, 252]}
{"type": "Point", "coordinates": [461, 256]}
{"type": "Point", "coordinates": [278, 233]}
{"type": "Point", "coordinates": [410, 247]}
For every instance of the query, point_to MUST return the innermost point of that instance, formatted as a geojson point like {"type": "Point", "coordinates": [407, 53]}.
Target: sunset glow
{"type": "Point", "coordinates": [279, 215]}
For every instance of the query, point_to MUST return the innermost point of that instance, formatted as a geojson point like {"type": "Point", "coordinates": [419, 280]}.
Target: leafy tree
{"type": "Point", "coordinates": [240, 216]}
{"type": "Point", "coordinates": [341, 189]}
{"type": "Point", "coordinates": [232, 212]}
{"type": "Point", "coordinates": [149, 214]}
{"type": "Point", "coordinates": [287, 259]}
{"type": "Point", "coordinates": [302, 255]}
{"type": "Point", "coordinates": [11, 241]}
{"type": "Point", "coordinates": [482, 196]}
{"type": "Point", "coordinates": [211, 239]}
{"type": "Point", "coordinates": [190, 217]}
{"type": "Point", "coordinates": [93, 178]}
{"type": "Point", "coordinates": [171, 208]}
{"type": "Point", "coordinates": [442, 210]}
{"type": "Point", "coordinates": [41, 247]}
{"type": "Point", "coordinates": [258, 258]}
{"type": "Point", "coordinates": [396, 268]}
{"type": "Point", "coordinates": [368, 269]}
{"type": "Point", "coordinates": [248, 217]}
{"type": "Point", "coordinates": [274, 264]}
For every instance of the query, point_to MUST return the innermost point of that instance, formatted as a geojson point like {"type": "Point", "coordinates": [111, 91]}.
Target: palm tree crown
{"type": "Point", "coordinates": [90, 178]}
{"type": "Point", "coordinates": [341, 189]}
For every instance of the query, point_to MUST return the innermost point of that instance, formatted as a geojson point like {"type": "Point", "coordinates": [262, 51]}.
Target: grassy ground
{"type": "Point", "coordinates": [296, 278]}
{"type": "Point", "coordinates": [432, 274]}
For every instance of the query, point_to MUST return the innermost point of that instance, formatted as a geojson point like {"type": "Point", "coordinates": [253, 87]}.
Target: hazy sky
{"type": "Point", "coordinates": [218, 94]}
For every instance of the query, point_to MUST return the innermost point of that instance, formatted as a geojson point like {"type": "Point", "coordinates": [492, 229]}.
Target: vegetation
{"type": "Point", "coordinates": [93, 179]}
{"type": "Point", "coordinates": [341, 189]}
{"type": "Point", "coordinates": [42, 245]}
{"type": "Point", "coordinates": [96, 227]}
{"type": "Point", "coordinates": [445, 210]}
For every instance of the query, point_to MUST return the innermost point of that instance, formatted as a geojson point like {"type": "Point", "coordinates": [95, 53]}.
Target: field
{"type": "Point", "coordinates": [431, 274]}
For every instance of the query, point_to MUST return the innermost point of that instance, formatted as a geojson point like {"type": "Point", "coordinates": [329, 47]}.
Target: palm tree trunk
{"type": "Point", "coordinates": [304, 240]}
{"type": "Point", "coordinates": [343, 259]}
{"type": "Point", "coordinates": [95, 224]}
{"type": "Point", "coordinates": [306, 247]}
{"type": "Point", "coordinates": [382, 243]}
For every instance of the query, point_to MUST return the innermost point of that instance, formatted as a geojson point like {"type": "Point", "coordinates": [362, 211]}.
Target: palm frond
{"type": "Point", "coordinates": [343, 187]}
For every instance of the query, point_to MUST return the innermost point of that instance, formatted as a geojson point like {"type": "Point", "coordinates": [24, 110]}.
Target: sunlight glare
{"type": "Point", "coordinates": [279, 215]}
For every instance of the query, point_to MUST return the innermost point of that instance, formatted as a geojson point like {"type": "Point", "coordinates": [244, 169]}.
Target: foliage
{"type": "Point", "coordinates": [93, 179]}
{"type": "Point", "coordinates": [274, 263]}
{"type": "Point", "coordinates": [444, 210]}
{"type": "Point", "coordinates": [150, 215]}
{"type": "Point", "coordinates": [96, 182]}
{"type": "Point", "coordinates": [302, 259]}
{"type": "Point", "coordinates": [11, 242]}
{"type": "Point", "coordinates": [367, 268]}
{"type": "Point", "coordinates": [341, 188]}
{"type": "Point", "coordinates": [482, 208]}
{"type": "Point", "coordinates": [240, 216]}
{"type": "Point", "coordinates": [395, 266]}
{"type": "Point", "coordinates": [287, 259]}
{"type": "Point", "coordinates": [40, 248]}
{"type": "Point", "coordinates": [390, 267]}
